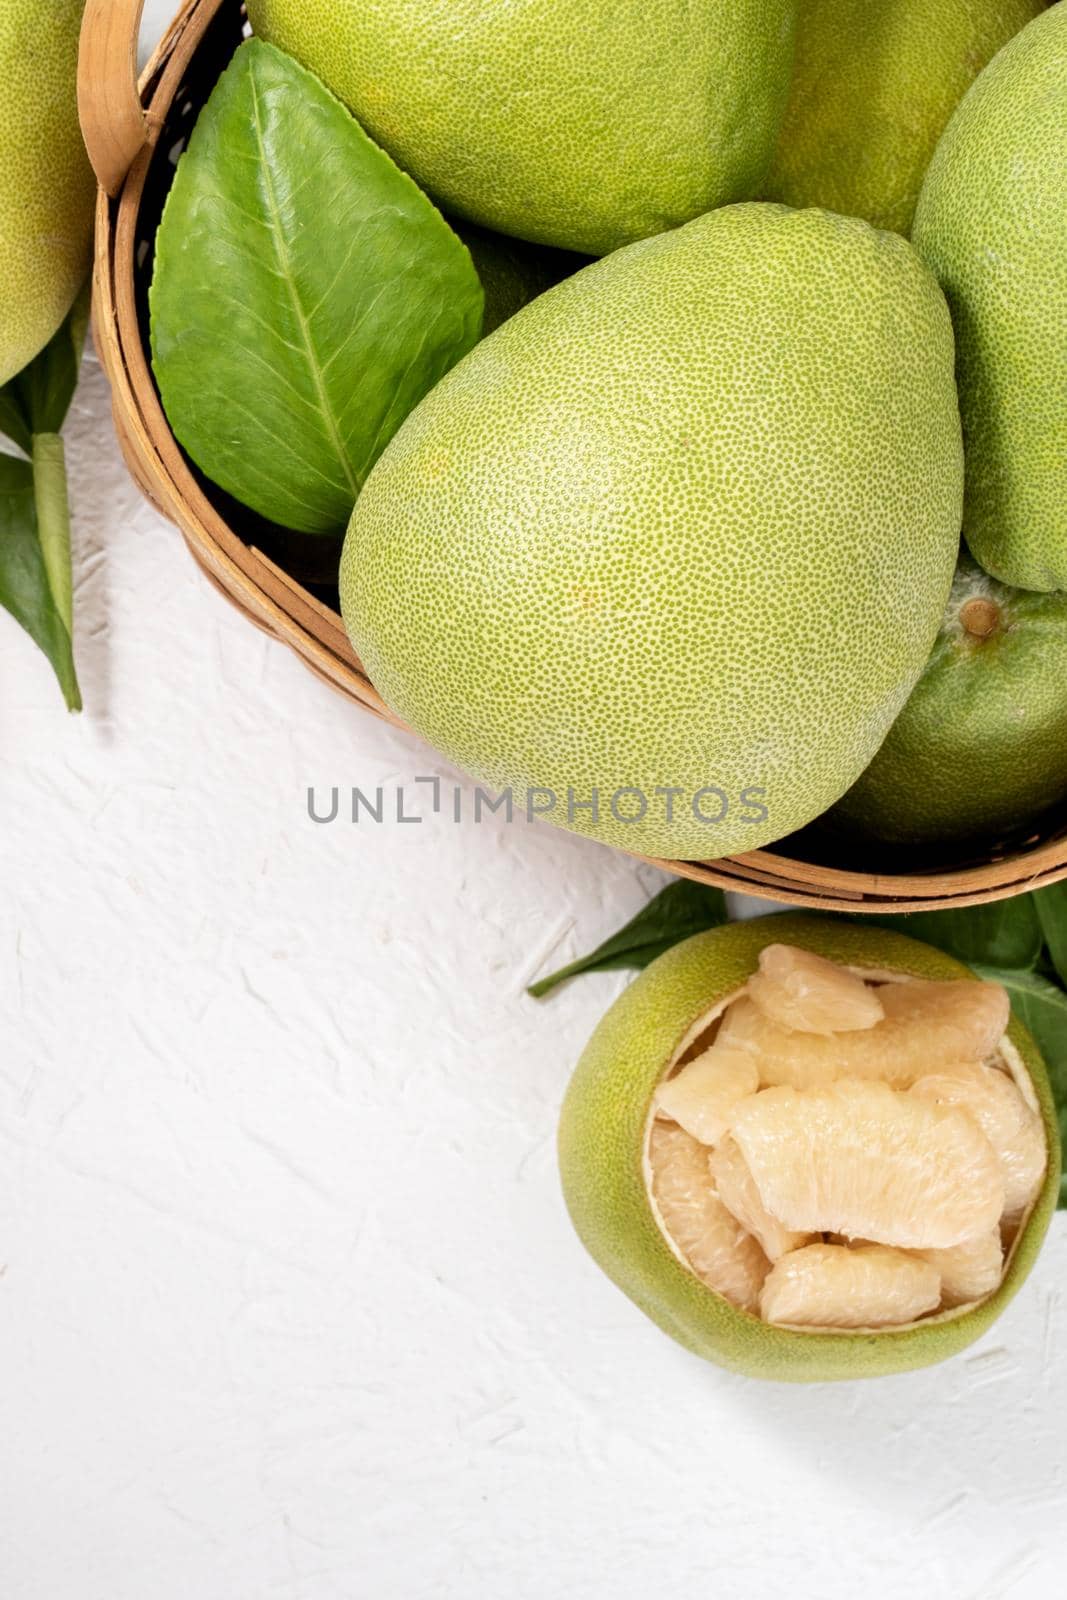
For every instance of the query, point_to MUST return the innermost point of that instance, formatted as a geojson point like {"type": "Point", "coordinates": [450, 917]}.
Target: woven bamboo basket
{"type": "Point", "coordinates": [134, 131]}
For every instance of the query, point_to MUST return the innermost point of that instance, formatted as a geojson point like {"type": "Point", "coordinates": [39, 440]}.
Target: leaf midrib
{"type": "Point", "coordinates": [285, 268]}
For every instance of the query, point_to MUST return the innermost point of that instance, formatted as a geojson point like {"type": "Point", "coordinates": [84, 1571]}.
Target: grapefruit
{"type": "Point", "coordinates": [672, 545]}
{"type": "Point", "coordinates": [47, 187]}
{"type": "Point", "coordinates": [980, 748]}
{"type": "Point", "coordinates": [610, 1115]}
{"type": "Point", "coordinates": [874, 83]}
{"type": "Point", "coordinates": [992, 223]}
{"type": "Point", "coordinates": [581, 126]}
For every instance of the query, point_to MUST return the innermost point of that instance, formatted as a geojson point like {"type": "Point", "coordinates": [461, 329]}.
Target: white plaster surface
{"type": "Point", "coordinates": [290, 1308]}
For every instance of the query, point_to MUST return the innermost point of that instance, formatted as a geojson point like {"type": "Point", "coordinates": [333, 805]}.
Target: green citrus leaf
{"type": "Point", "coordinates": [306, 295]}
{"type": "Point", "coordinates": [512, 271]}
{"type": "Point", "coordinates": [1042, 1007]}
{"type": "Point", "coordinates": [681, 909]}
{"type": "Point", "coordinates": [14, 424]}
{"type": "Point", "coordinates": [1051, 904]}
{"type": "Point", "coordinates": [1006, 933]}
{"type": "Point", "coordinates": [25, 589]}
{"type": "Point", "coordinates": [37, 399]}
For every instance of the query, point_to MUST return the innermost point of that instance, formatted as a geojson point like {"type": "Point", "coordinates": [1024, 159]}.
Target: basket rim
{"type": "Point", "coordinates": [276, 603]}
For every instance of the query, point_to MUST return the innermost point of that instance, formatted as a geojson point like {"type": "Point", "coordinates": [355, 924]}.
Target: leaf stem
{"type": "Point", "coordinates": [53, 531]}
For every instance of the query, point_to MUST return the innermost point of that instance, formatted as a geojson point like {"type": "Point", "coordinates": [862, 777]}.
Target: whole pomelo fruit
{"type": "Point", "coordinates": [992, 223]}
{"type": "Point", "coordinates": [46, 184]}
{"type": "Point", "coordinates": [604, 1127]}
{"type": "Point", "coordinates": [580, 126]}
{"type": "Point", "coordinates": [683, 527]}
{"type": "Point", "coordinates": [980, 749]}
{"type": "Point", "coordinates": [874, 83]}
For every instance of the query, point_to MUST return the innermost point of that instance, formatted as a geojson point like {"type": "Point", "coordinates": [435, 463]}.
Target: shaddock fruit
{"type": "Point", "coordinates": [874, 83]}
{"type": "Point", "coordinates": [585, 126]}
{"type": "Point", "coordinates": [980, 749]}
{"type": "Point", "coordinates": [46, 183]}
{"type": "Point", "coordinates": [840, 1226]}
{"type": "Point", "coordinates": [672, 545]}
{"type": "Point", "coordinates": [992, 223]}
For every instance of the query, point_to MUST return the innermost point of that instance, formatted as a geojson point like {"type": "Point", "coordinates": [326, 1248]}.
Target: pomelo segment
{"type": "Point", "coordinates": [968, 1271]}
{"type": "Point", "coordinates": [705, 1094]}
{"type": "Point", "coordinates": [796, 989]}
{"type": "Point", "coordinates": [996, 1105]}
{"type": "Point", "coordinates": [786, 1056]}
{"type": "Point", "coordinates": [836, 1286]}
{"type": "Point", "coordinates": [925, 1023]}
{"type": "Point", "coordinates": [961, 1022]}
{"type": "Point", "coordinates": [738, 1193]}
{"type": "Point", "coordinates": [717, 1248]}
{"type": "Point", "coordinates": [868, 1162]}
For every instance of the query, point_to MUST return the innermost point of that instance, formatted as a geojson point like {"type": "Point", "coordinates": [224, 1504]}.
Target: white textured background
{"type": "Point", "coordinates": [289, 1305]}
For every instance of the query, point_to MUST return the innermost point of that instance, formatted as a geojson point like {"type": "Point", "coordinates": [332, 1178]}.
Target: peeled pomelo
{"type": "Point", "coordinates": [839, 1286]}
{"type": "Point", "coordinates": [921, 1022]}
{"type": "Point", "coordinates": [47, 187]}
{"type": "Point", "coordinates": [796, 989]}
{"type": "Point", "coordinates": [609, 1113]}
{"type": "Point", "coordinates": [739, 1194]}
{"type": "Point", "coordinates": [1012, 1127]}
{"type": "Point", "coordinates": [716, 1246]}
{"type": "Point", "coordinates": [965, 1028]}
{"type": "Point", "coordinates": [968, 1271]}
{"type": "Point", "coordinates": [671, 547]}
{"type": "Point", "coordinates": [705, 1094]}
{"type": "Point", "coordinates": [992, 223]}
{"type": "Point", "coordinates": [585, 126]}
{"type": "Point", "coordinates": [980, 748]}
{"type": "Point", "coordinates": [870, 1162]}
{"type": "Point", "coordinates": [874, 83]}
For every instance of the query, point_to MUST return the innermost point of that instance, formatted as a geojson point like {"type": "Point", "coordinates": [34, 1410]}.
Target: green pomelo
{"type": "Point", "coordinates": [602, 1135]}
{"type": "Point", "coordinates": [992, 223]}
{"type": "Point", "coordinates": [686, 523]}
{"type": "Point", "coordinates": [583, 126]}
{"type": "Point", "coordinates": [874, 83]}
{"type": "Point", "coordinates": [46, 184]}
{"type": "Point", "coordinates": [980, 749]}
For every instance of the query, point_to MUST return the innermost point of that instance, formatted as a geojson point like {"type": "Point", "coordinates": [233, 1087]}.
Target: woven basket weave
{"type": "Point", "coordinates": [134, 132]}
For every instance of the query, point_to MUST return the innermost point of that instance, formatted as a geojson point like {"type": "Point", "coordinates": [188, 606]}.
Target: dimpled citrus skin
{"type": "Point", "coordinates": [601, 1140]}
{"type": "Point", "coordinates": [874, 83]}
{"type": "Point", "coordinates": [980, 749]}
{"type": "Point", "coordinates": [46, 183]}
{"type": "Point", "coordinates": [585, 126]}
{"type": "Point", "coordinates": [992, 223]}
{"type": "Point", "coordinates": [690, 518]}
